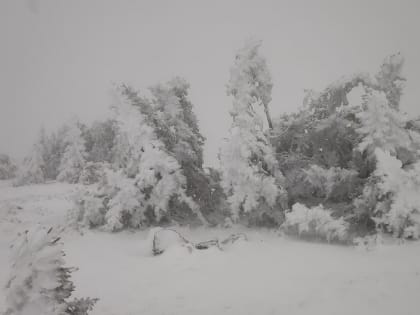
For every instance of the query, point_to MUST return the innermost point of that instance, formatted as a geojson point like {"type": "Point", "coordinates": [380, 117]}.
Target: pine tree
{"type": "Point", "coordinates": [150, 179]}
{"type": "Point", "coordinates": [39, 282]}
{"type": "Point", "coordinates": [74, 157]}
{"type": "Point", "coordinates": [251, 177]}
{"type": "Point", "coordinates": [177, 126]}
{"type": "Point", "coordinates": [176, 122]}
{"type": "Point", "coordinates": [382, 126]}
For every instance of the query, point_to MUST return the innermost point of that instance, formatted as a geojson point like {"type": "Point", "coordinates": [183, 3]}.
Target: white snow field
{"type": "Point", "coordinates": [268, 274]}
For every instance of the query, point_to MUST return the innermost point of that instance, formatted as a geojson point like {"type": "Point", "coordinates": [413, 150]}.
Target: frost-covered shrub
{"type": "Point", "coordinates": [399, 208]}
{"type": "Point", "coordinates": [361, 219]}
{"type": "Point", "coordinates": [80, 306]}
{"type": "Point", "coordinates": [89, 208]}
{"type": "Point", "coordinates": [32, 169]}
{"type": "Point", "coordinates": [333, 183]}
{"type": "Point", "coordinates": [92, 172]}
{"type": "Point", "coordinates": [74, 157]}
{"type": "Point", "coordinates": [315, 222]}
{"type": "Point", "coordinates": [123, 208]}
{"type": "Point", "coordinates": [53, 147]}
{"type": "Point", "coordinates": [7, 167]}
{"type": "Point", "coordinates": [99, 139]}
{"type": "Point", "coordinates": [39, 282]}
{"type": "Point", "coordinates": [368, 242]}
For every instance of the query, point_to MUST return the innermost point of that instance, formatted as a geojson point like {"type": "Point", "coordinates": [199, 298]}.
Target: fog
{"type": "Point", "coordinates": [59, 59]}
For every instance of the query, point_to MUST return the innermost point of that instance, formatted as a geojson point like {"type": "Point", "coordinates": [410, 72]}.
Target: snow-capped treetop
{"type": "Point", "coordinates": [250, 173]}
{"type": "Point", "coordinates": [390, 78]}
{"type": "Point", "coordinates": [382, 125]}
{"type": "Point", "coordinates": [133, 125]}
{"type": "Point", "coordinates": [176, 123]}
{"type": "Point", "coordinates": [250, 81]}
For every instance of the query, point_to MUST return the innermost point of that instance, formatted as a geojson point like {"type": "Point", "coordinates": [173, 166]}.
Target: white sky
{"type": "Point", "coordinates": [59, 58]}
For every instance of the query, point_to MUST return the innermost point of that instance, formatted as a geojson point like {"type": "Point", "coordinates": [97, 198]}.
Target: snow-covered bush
{"type": "Point", "coordinates": [315, 222]}
{"type": "Point", "coordinates": [89, 208]}
{"type": "Point", "coordinates": [74, 157]}
{"type": "Point", "coordinates": [7, 167]}
{"type": "Point", "coordinates": [333, 183]}
{"type": "Point", "coordinates": [368, 242]}
{"type": "Point", "coordinates": [92, 172]}
{"type": "Point", "coordinates": [39, 282]}
{"type": "Point", "coordinates": [32, 169]}
{"type": "Point", "coordinates": [54, 146]}
{"type": "Point", "coordinates": [251, 178]}
{"type": "Point", "coordinates": [399, 207]}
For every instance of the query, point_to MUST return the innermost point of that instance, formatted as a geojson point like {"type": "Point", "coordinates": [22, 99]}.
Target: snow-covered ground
{"type": "Point", "coordinates": [268, 274]}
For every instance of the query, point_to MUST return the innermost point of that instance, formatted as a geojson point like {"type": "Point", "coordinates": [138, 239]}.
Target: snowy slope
{"type": "Point", "coordinates": [266, 275]}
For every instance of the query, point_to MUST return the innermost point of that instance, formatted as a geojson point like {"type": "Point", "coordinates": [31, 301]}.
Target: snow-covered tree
{"type": "Point", "coordinates": [177, 123]}
{"type": "Point", "coordinates": [92, 172]}
{"type": "Point", "coordinates": [399, 199]}
{"type": "Point", "coordinates": [53, 146]}
{"type": "Point", "coordinates": [150, 179]}
{"type": "Point", "coordinates": [74, 157]}
{"type": "Point", "coordinates": [251, 177]}
{"type": "Point", "coordinates": [39, 282]}
{"type": "Point", "coordinates": [382, 126]}
{"type": "Point", "coordinates": [327, 149]}
{"type": "Point", "coordinates": [390, 79]}
{"type": "Point", "coordinates": [32, 168]}
{"type": "Point", "coordinates": [177, 127]}
{"type": "Point", "coordinates": [7, 167]}
{"type": "Point", "coordinates": [100, 138]}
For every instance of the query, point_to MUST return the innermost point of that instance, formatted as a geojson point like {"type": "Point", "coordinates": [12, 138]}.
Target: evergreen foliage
{"type": "Point", "coordinates": [39, 282]}
{"type": "Point", "coordinates": [330, 151]}
{"type": "Point", "coordinates": [251, 178]}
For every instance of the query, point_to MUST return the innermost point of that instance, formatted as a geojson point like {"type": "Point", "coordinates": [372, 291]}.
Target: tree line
{"type": "Point", "coordinates": [333, 169]}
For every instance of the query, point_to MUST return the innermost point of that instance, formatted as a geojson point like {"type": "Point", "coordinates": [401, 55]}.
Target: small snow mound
{"type": "Point", "coordinates": [177, 251]}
